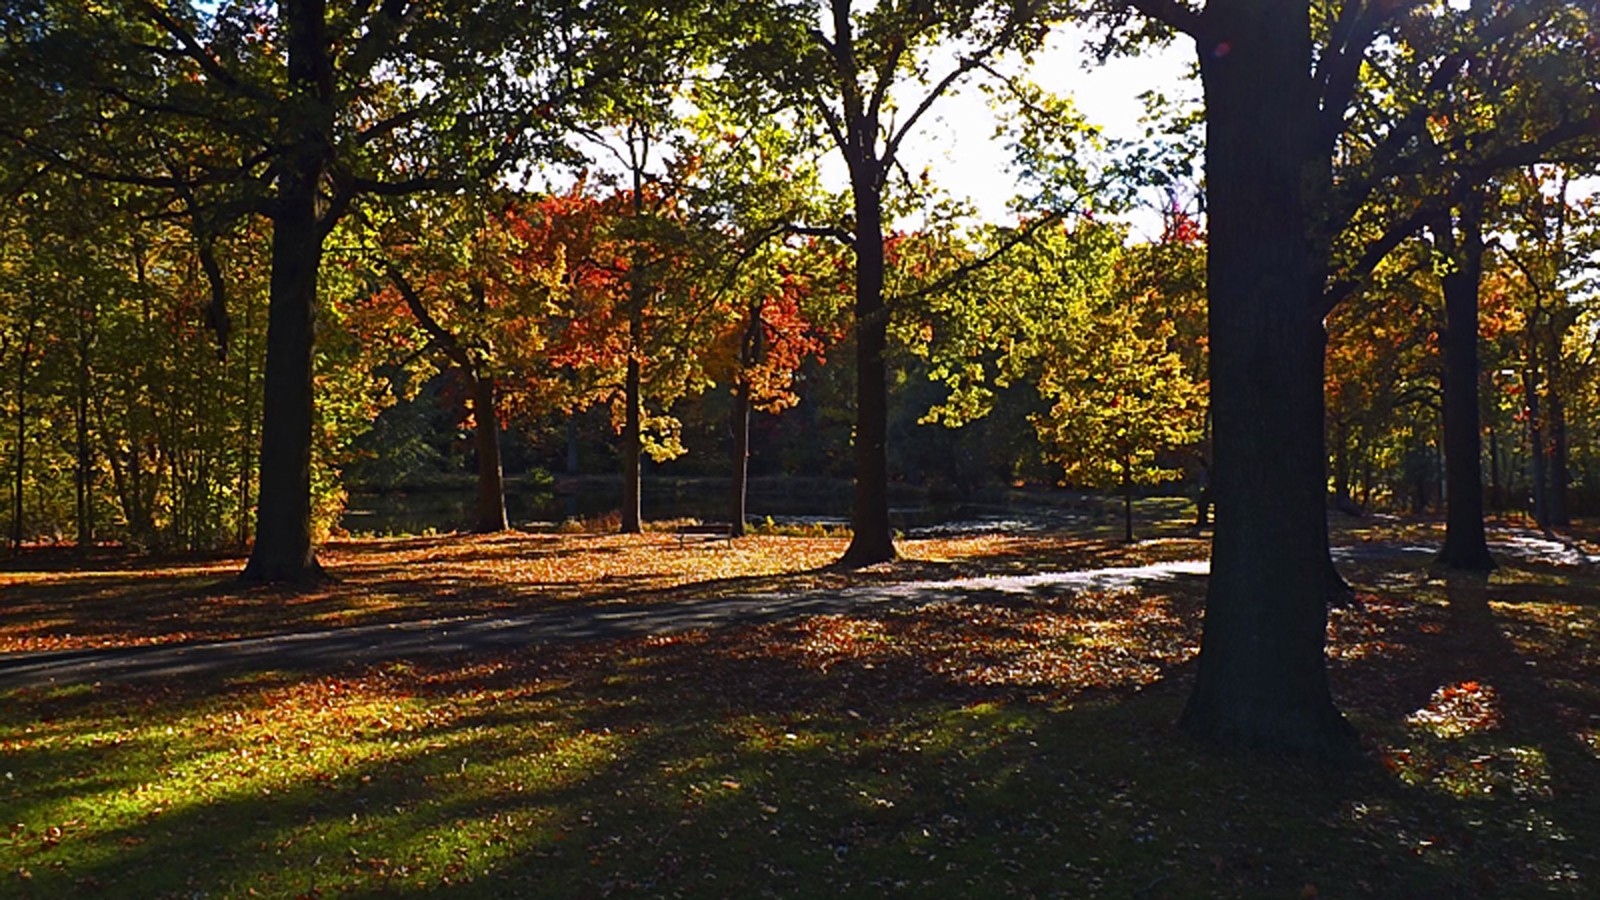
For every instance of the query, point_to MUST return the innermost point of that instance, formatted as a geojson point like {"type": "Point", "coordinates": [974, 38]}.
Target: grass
{"type": "Point", "coordinates": [1005, 745]}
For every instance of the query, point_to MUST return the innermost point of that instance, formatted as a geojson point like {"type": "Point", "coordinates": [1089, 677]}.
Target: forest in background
{"type": "Point", "coordinates": [249, 228]}
{"type": "Point", "coordinates": [1054, 348]}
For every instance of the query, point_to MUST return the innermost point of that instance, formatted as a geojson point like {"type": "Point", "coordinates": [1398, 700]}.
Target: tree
{"type": "Point", "coordinates": [1122, 397]}
{"type": "Point", "coordinates": [852, 71]}
{"type": "Point", "coordinates": [1280, 88]}
{"type": "Point", "coordinates": [1382, 376]}
{"type": "Point", "coordinates": [294, 112]}
{"type": "Point", "coordinates": [773, 293]}
{"type": "Point", "coordinates": [1518, 95]}
{"type": "Point", "coordinates": [1263, 679]}
{"type": "Point", "coordinates": [634, 341]}
{"type": "Point", "coordinates": [1094, 325]}
{"type": "Point", "coordinates": [781, 315]}
{"type": "Point", "coordinates": [446, 267]}
{"type": "Point", "coordinates": [1458, 238]}
{"type": "Point", "coordinates": [1552, 248]}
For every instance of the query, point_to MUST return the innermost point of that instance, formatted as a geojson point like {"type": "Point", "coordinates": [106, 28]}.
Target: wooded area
{"type": "Point", "coordinates": [1283, 418]}
{"type": "Point", "coordinates": [253, 253]}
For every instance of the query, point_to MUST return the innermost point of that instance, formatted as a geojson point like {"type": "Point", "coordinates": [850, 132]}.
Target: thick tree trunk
{"type": "Point", "coordinates": [1465, 545]}
{"type": "Point", "coordinates": [283, 551]}
{"type": "Point", "coordinates": [486, 439]}
{"type": "Point", "coordinates": [1263, 678]}
{"type": "Point", "coordinates": [739, 485]}
{"type": "Point", "coordinates": [871, 540]}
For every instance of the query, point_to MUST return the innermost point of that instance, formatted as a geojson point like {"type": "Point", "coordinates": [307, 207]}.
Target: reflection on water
{"type": "Point", "coordinates": [784, 500]}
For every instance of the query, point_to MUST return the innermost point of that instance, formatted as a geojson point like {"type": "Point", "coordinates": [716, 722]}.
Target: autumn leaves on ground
{"type": "Point", "coordinates": [1006, 742]}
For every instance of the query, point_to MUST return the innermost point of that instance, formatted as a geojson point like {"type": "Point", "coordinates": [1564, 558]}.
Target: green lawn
{"type": "Point", "coordinates": [1013, 745]}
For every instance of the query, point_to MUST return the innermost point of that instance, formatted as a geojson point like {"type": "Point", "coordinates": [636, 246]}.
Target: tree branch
{"type": "Point", "coordinates": [1174, 14]}
{"type": "Point", "coordinates": [438, 336]}
{"type": "Point", "coordinates": [954, 276]}
{"type": "Point", "coordinates": [193, 49]}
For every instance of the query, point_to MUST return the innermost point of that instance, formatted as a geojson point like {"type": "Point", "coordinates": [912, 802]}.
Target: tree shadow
{"type": "Point", "coordinates": [861, 753]}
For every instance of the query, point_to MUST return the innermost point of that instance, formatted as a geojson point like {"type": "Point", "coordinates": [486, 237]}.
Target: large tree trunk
{"type": "Point", "coordinates": [1263, 678]}
{"type": "Point", "coordinates": [1465, 545]}
{"type": "Point", "coordinates": [486, 437]}
{"type": "Point", "coordinates": [871, 540]}
{"type": "Point", "coordinates": [283, 551]}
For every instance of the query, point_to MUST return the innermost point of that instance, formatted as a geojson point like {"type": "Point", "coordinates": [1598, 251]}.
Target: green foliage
{"type": "Point", "coordinates": [122, 388]}
{"type": "Point", "coordinates": [1109, 336]}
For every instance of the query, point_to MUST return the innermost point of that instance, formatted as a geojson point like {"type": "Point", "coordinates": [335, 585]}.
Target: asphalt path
{"type": "Point", "coordinates": [329, 650]}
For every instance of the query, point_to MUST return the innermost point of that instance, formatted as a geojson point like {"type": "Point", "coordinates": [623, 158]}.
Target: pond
{"type": "Point", "coordinates": [785, 500]}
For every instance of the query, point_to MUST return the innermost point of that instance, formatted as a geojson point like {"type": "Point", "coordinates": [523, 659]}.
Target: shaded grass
{"type": "Point", "coordinates": [1009, 745]}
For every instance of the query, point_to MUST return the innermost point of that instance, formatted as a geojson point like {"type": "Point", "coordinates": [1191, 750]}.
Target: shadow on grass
{"type": "Point", "coordinates": [407, 580]}
{"type": "Point", "coordinates": [1007, 745]}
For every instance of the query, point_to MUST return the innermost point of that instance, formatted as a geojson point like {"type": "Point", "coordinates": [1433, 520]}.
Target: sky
{"type": "Point", "coordinates": [957, 138]}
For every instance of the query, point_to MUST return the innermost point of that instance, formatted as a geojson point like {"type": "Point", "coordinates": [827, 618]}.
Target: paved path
{"type": "Point", "coordinates": [325, 650]}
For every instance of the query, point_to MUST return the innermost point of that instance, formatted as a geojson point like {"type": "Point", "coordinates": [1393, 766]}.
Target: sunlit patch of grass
{"type": "Point", "coordinates": [1507, 770]}
{"type": "Point", "coordinates": [999, 745]}
{"type": "Point", "coordinates": [387, 580]}
{"type": "Point", "coordinates": [1457, 710]}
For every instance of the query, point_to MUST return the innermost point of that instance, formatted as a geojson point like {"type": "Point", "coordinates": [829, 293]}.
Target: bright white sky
{"type": "Point", "coordinates": [956, 138]}
{"type": "Point", "coordinates": [958, 134]}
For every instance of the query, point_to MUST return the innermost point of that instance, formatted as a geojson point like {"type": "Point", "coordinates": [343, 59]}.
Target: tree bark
{"type": "Point", "coordinates": [1263, 679]}
{"type": "Point", "coordinates": [1560, 472]}
{"type": "Point", "coordinates": [872, 540]}
{"type": "Point", "coordinates": [632, 440]}
{"type": "Point", "coordinates": [1541, 494]}
{"type": "Point", "coordinates": [486, 437]}
{"type": "Point", "coordinates": [1465, 545]}
{"type": "Point", "coordinates": [283, 550]}
{"type": "Point", "coordinates": [1127, 500]}
{"type": "Point", "coordinates": [21, 469]}
{"type": "Point", "coordinates": [738, 488]}
{"type": "Point", "coordinates": [83, 477]}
